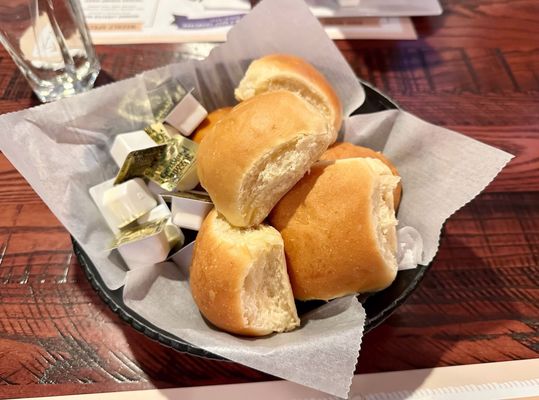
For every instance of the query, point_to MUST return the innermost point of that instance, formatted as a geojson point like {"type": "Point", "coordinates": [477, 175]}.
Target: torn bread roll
{"type": "Point", "coordinates": [257, 152]}
{"type": "Point", "coordinates": [239, 280]}
{"type": "Point", "coordinates": [282, 71]}
{"type": "Point", "coordinates": [339, 229]}
{"type": "Point", "coordinates": [340, 150]}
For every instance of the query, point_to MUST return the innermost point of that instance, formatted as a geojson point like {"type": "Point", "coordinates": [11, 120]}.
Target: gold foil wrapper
{"type": "Point", "coordinates": [131, 221]}
{"type": "Point", "coordinates": [166, 164]}
{"type": "Point", "coordinates": [138, 232]}
{"type": "Point", "coordinates": [163, 95]}
{"type": "Point", "coordinates": [175, 163]}
{"type": "Point", "coordinates": [161, 133]}
{"type": "Point", "coordinates": [192, 195]}
{"type": "Point", "coordinates": [137, 162]}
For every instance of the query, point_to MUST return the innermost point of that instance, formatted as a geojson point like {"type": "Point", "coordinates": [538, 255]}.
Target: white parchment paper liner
{"type": "Point", "coordinates": [321, 354]}
{"type": "Point", "coordinates": [62, 150]}
{"type": "Point", "coordinates": [441, 170]}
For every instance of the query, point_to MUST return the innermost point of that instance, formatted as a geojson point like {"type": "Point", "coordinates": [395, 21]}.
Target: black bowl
{"type": "Point", "coordinates": [378, 306]}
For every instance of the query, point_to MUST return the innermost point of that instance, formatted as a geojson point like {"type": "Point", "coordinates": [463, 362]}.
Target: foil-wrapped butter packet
{"type": "Point", "coordinates": [176, 168]}
{"type": "Point", "coordinates": [137, 232]}
{"type": "Point", "coordinates": [192, 194]}
{"type": "Point", "coordinates": [171, 164]}
{"type": "Point", "coordinates": [164, 93]}
{"type": "Point", "coordinates": [161, 133]}
{"type": "Point", "coordinates": [137, 162]}
{"type": "Point", "coordinates": [148, 244]}
{"type": "Point", "coordinates": [189, 209]}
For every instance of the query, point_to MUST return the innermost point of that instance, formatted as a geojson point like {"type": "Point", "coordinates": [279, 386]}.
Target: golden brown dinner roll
{"type": "Point", "coordinates": [209, 122]}
{"type": "Point", "coordinates": [238, 278]}
{"type": "Point", "coordinates": [339, 229]}
{"type": "Point", "coordinates": [283, 71]}
{"type": "Point", "coordinates": [257, 152]}
{"type": "Point", "coordinates": [342, 150]}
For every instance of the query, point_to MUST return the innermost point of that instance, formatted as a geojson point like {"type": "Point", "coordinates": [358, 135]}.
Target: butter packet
{"type": "Point", "coordinates": [171, 164]}
{"type": "Point", "coordinates": [137, 232]}
{"type": "Point", "coordinates": [176, 167]}
{"type": "Point", "coordinates": [164, 95]}
{"type": "Point", "coordinates": [192, 195]}
{"type": "Point", "coordinates": [161, 133]}
{"type": "Point", "coordinates": [137, 162]}
{"type": "Point", "coordinates": [189, 209]}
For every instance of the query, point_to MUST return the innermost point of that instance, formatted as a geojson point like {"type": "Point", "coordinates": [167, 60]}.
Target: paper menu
{"type": "Point", "coordinates": [173, 21]}
{"type": "Point", "coordinates": [388, 28]}
{"type": "Point", "coordinates": [350, 8]}
{"type": "Point", "coordinates": [376, 8]}
{"type": "Point", "coordinates": [119, 14]}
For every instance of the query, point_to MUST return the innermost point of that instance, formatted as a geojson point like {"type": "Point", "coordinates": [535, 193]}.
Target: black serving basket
{"type": "Point", "coordinates": [378, 306]}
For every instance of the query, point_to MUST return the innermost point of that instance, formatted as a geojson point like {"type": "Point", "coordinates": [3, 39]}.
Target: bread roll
{"type": "Point", "coordinates": [257, 152]}
{"type": "Point", "coordinates": [339, 229]}
{"type": "Point", "coordinates": [209, 123]}
{"type": "Point", "coordinates": [342, 150]}
{"type": "Point", "coordinates": [238, 278]}
{"type": "Point", "coordinates": [282, 71]}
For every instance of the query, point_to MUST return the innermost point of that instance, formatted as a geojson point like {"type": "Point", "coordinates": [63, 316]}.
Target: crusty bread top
{"type": "Point", "coordinates": [253, 136]}
{"type": "Point", "coordinates": [284, 71]}
{"type": "Point", "coordinates": [340, 150]}
{"type": "Point", "coordinates": [329, 223]}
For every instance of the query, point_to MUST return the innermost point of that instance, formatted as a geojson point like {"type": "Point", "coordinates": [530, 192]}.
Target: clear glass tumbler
{"type": "Point", "coordinates": [50, 43]}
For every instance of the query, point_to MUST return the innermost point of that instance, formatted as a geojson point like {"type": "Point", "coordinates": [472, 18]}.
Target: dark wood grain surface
{"type": "Point", "coordinates": [475, 69]}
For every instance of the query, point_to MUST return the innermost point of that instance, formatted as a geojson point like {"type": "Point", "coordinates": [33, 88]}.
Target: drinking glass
{"type": "Point", "coordinates": [50, 43]}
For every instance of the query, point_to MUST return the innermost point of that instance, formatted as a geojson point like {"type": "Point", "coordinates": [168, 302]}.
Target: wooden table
{"type": "Point", "coordinates": [475, 69]}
